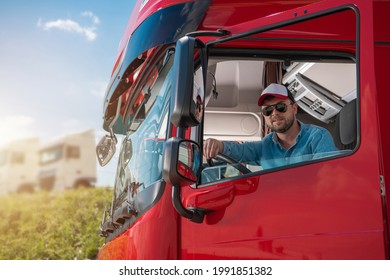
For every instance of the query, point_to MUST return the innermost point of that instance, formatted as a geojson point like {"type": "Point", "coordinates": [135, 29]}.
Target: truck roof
{"type": "Point", "coordinates": [220, 14]}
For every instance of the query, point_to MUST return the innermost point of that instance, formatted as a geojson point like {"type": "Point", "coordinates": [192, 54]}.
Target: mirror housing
{"type": "Point", "coordinates": [181, 166]}
{"type": "Point", "coordinates": [106, 148]}
{"type": "Point", "coordinates": [182, 161]}
{"type": "Point", "coordinates": [187, 97]}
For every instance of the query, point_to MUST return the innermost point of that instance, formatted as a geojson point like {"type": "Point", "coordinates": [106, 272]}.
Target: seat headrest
{"type": "Point", "coordinates": [348, 123]}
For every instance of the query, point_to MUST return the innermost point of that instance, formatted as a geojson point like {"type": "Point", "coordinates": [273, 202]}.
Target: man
{"type": "Point", "coordinates": [289, 142]}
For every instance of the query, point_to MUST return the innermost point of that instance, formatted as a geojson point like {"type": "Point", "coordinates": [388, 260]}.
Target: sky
{"type": "Point", "coordinates": [56, 59]}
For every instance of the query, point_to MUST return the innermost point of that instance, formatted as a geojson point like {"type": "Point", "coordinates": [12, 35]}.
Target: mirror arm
{"type": "Point", "coordinates": [180, 132]}
{"type": "Point", "coordinates": [112, 135]}
{"type": "Point", "coordinates": [193, 215]}
{"type": "Point", "coordinates": [218, 33]}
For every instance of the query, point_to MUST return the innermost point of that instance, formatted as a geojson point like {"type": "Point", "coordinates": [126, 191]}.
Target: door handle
{"type": "Point", "coordinates": [210, 199]}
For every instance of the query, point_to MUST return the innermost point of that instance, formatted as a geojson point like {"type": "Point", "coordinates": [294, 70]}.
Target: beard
{"type": "Point", "coordinates": [286, 124]}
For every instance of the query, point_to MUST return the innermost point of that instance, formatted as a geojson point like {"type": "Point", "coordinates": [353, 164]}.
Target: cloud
{"type": "Point", "coordinates": [94, 18]}
{"type": "Point", "coordinates": [72, 26]}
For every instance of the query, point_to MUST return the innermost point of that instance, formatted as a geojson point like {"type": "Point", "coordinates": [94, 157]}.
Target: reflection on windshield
{"type": "Point", "coordinates": [146, 132]}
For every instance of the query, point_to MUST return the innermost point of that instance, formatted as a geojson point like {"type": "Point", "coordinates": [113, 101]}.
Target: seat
{"type": "Point", "coordinates": [346, 127]}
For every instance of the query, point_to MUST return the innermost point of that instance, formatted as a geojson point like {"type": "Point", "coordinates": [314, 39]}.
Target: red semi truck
{"type": "Point", "coordinates": [191, 70]}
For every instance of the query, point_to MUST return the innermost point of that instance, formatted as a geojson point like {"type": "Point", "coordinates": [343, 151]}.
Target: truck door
{"type": "Point", "coordinates": [314, 208]}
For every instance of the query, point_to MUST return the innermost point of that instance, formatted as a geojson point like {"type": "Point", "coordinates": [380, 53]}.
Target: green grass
{"type": "Point", "coordinates": [54, 226]}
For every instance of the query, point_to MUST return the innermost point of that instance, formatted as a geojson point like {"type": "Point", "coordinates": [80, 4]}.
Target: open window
{"type": "Point", "coordinates": [317, 62]}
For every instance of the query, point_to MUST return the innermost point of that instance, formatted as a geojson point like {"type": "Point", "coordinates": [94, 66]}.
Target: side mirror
{"type": "Point", "coordinates": [181, 166]}
{"type": "Point", "coordinates": [106, 148]}
{"type": "Point", "coordinates": [182, 161]}
{"type": "Point", "coordinates": [188, 96]}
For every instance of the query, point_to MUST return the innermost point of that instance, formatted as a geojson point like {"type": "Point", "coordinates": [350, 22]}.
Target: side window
{"type": "Point", "coordinates": [51, 154]}
{"type": "Point", "coordinates": [289, 108]}
{"type": "Point", "coordinates": [72, 152]}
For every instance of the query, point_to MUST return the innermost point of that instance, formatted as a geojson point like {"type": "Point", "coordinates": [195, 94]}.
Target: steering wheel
{"type": "Point", "coordinates": [229, 160]}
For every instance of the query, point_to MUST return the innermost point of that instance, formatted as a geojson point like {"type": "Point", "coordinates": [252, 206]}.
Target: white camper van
{"type": "Point", "coordinates": [19, 166]}
{"type": "Point", "coordinates": [68, 163]}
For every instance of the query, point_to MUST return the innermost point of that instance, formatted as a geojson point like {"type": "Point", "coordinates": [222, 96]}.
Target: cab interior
{"type": "Point", "coordinates": [324, 89]}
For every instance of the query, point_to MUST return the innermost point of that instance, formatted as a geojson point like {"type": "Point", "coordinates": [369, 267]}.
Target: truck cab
{"type": "Point", "coordinates": [19, 166]}
{"type": "Point", "coordinates": [68, 163]}
{"type": "Point", "coordinates": [199, 75]}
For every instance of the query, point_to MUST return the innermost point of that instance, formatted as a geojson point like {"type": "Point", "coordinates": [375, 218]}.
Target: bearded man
{"type": "Point", "coordinates": [290, 141]}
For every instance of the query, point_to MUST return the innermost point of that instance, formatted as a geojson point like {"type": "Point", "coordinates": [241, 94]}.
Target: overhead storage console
{"type": "Point", "coordinates": [322, 96]}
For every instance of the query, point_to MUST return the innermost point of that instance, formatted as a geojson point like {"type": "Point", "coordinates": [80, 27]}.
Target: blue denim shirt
{"type": "Point", "coordinates": [312, 142]}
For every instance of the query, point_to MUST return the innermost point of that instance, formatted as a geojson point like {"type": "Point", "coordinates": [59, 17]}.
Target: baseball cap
{"type": "Point", "coordinates": [276, 90]}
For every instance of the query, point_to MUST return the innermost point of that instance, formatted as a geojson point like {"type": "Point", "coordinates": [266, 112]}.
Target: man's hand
{"type": "Point", "coordinates": [212, 147]}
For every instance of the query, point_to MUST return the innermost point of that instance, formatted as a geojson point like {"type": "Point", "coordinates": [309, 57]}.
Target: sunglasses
{"type": "Point", "coordinates": [280, 107]}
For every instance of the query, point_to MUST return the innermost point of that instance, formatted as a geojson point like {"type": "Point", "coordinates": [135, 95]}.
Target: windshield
{"type": "Point", "coordinates": [163, 27]}
{"type": "Point", "coordinates": [51, 155]}
{"type": "Point", "coordinates": [140, 160]}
